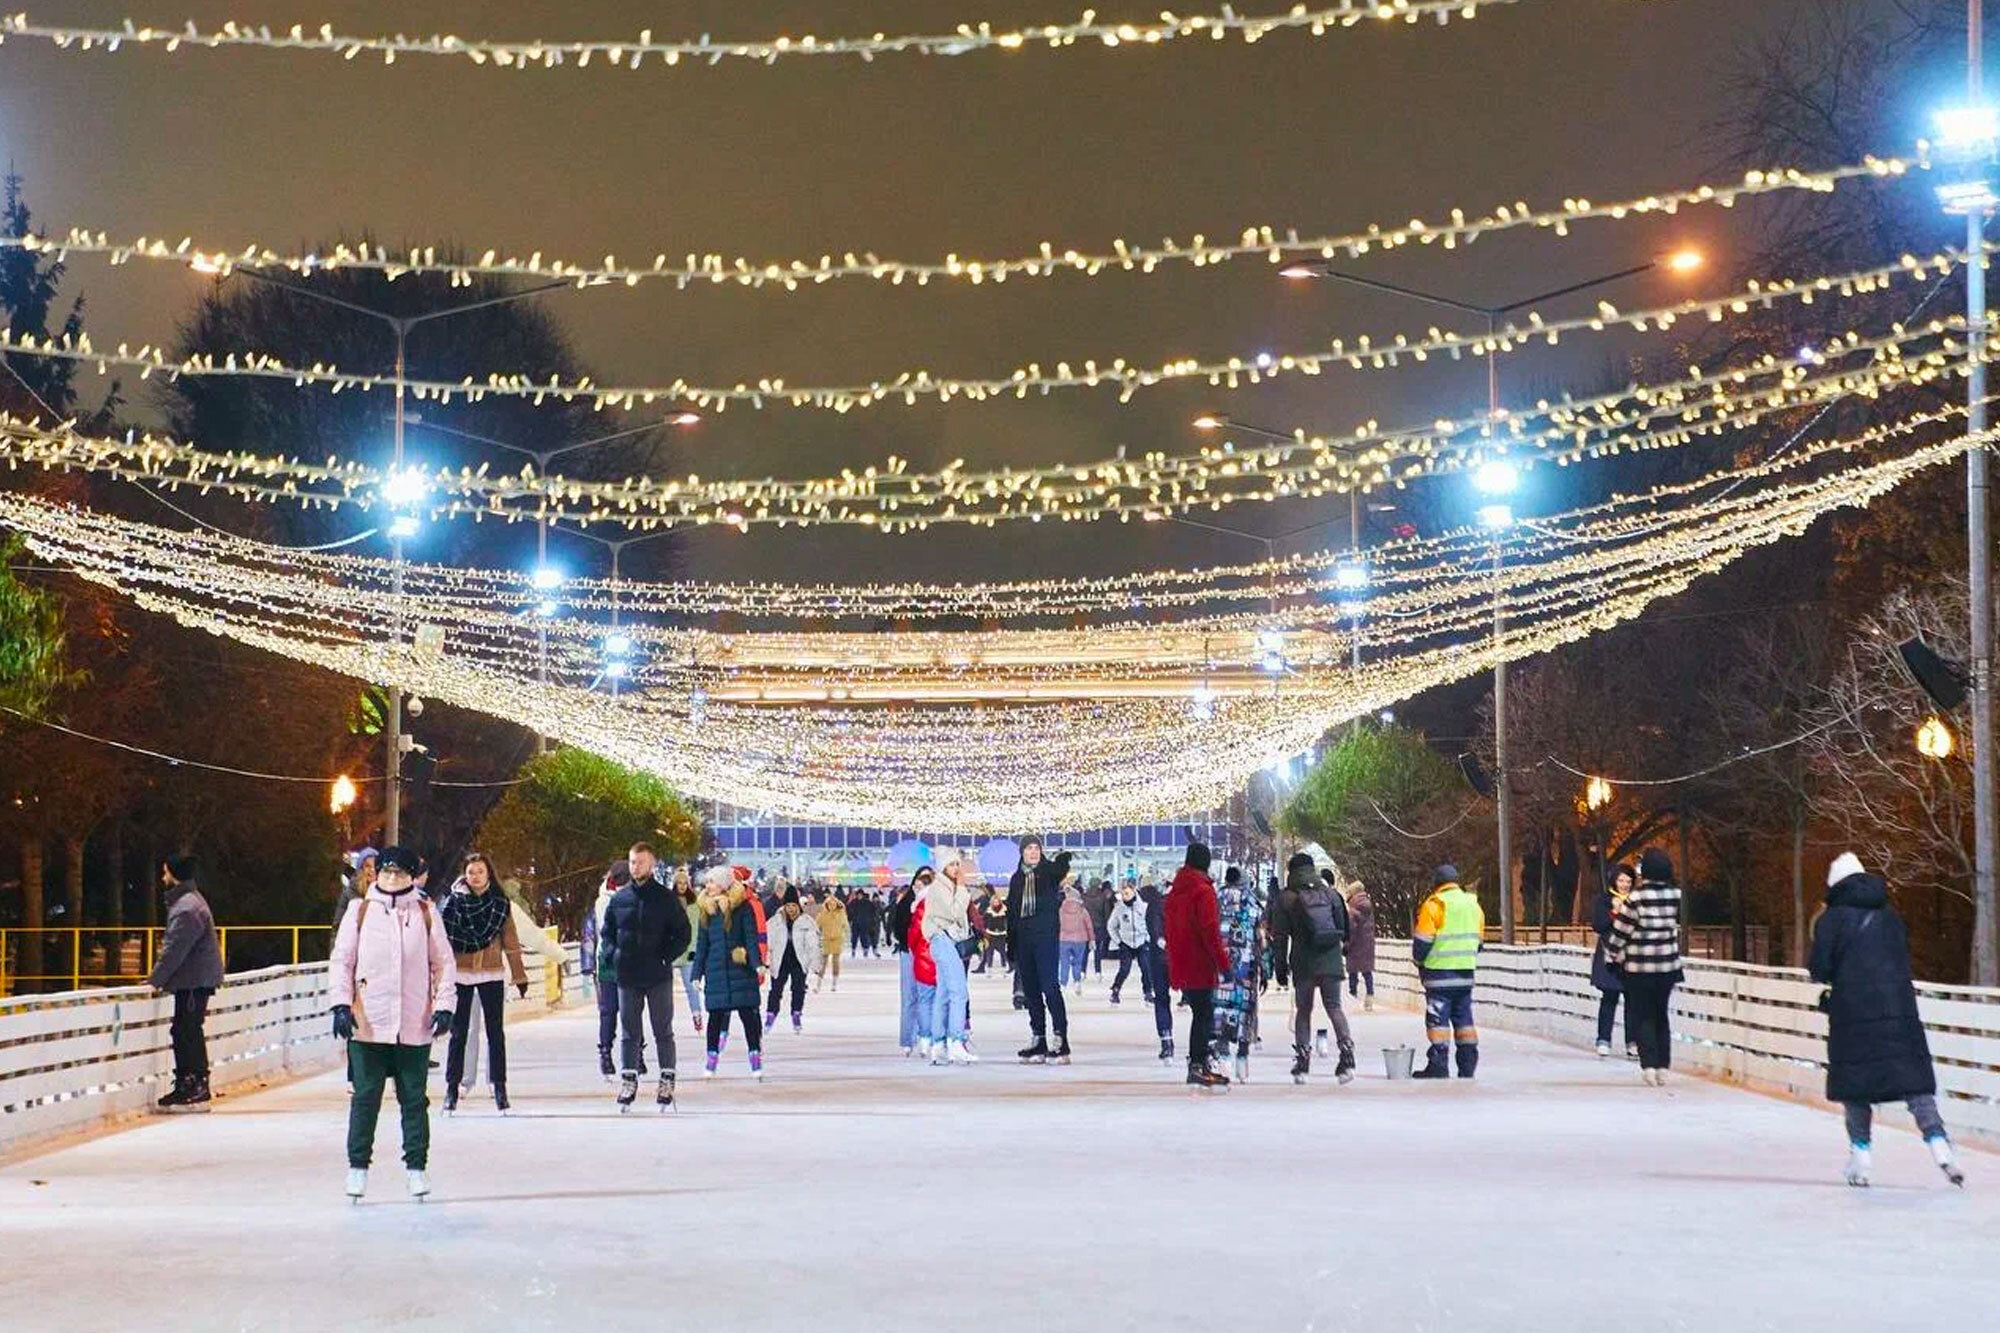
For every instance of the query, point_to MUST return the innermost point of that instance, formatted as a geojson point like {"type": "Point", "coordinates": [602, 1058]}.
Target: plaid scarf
{"type": "Point", "coordinates": [472, 921]}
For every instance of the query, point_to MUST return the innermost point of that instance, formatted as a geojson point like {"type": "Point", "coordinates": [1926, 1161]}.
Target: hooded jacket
{"type": "Point", "coordinates": [1876, 1050]}
{"type": "Point", "coordinates": [726, 926]}
{"type": "Point", "coordinates": [833, 924]}
{"type": "Point", "coordinates": [190, 954]}
{"type": "Point", "coordinates": [801, 935]}
{"type": "Point", "coordinates": [1127, 926]}
{"type": "Point", "coordinates": [1196, 956]}
{"type": "Point", "coordinates": [923, 963]}
{"type": "Point", "coordinates": [1073, 920]}
{"type": "Point", "coordinates": [392, 966]}
{"type": "Point", "coordinates": [1361, 932]}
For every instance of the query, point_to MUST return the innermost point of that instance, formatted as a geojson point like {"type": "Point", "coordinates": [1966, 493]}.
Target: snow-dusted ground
{"type": "Point", "coordinates": [856, 1190]}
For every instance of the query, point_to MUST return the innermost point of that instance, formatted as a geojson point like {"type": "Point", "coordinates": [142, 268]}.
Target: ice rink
{"type": "Point", "coordinates": [856, 1190]}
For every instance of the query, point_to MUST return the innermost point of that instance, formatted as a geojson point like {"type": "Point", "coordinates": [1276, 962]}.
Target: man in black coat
{"type": "Point", "coordinates": [1034, 895]}
{"type": "Point", "coordinates": [1876, 1050]}
{"type": "Point", "coordinates": [646, 931]}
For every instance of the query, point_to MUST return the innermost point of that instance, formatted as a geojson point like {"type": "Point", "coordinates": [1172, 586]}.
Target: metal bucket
{"type": "Point", "coordinates": [1399, 1061]}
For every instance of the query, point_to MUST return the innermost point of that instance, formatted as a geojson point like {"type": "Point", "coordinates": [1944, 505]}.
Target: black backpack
{"type": "Point", "coordinates": [1325, 914]}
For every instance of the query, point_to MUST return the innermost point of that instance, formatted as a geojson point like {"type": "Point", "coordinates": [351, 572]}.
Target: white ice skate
{"type": "Point", "coordinates": [924, 1048]}
{"type": "Point", "coordinates": [420, 1185]}
{"type": "Point", "coordinates": [1860, 1163]}
{"type": "Point", "coordinates": [1942, 1155]}
{"type": "Point", "coordinates": [959, 1054]}
{"type": "Point", "coordinates": [1368, 1005]}
{"type": "Point", "coordinates": [357, 1183]}
{"type": "Point", "coordinates": [1243, 1069]}
{"type": "Point", "coordinates": [1604, 1050]}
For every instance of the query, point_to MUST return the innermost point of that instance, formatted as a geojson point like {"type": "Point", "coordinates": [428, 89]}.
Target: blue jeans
{"type": "Point", "coordinates": [1069, 965]}
{"type": "Point", "coordinates": [693, 992]}
{"type": "Point", "coordinates": [949, 997]}
{"type": "Point", "coordinates": [912, 1023]}
{"type": "Point", "coordinates": [607, 1014]}
{"type": "Point", "coordinates": [1154, 965]}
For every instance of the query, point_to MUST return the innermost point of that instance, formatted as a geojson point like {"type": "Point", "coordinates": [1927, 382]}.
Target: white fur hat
{"type": "Point", "coordinates": [1847, 863]}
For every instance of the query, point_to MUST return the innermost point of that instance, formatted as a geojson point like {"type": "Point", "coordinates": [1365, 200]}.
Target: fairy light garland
{"type": "Point", "coordinates": [1366, 352]}
{"type": "Point", "coordinates": [1273, 244]}
{"type": "Point", "coordinates": [644, 49]}
{"type": "Point", "coordinates": [1155, 485]}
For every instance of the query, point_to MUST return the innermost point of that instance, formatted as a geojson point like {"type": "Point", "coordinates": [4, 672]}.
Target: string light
{"type": "Point", "coordinates": [1700, 403]}
{"type": "Point", "coordinates": [631, 53]}
{"type": "Point", "coordinates": [1366, 352]}
{"type": "Point", "coordinates": [1275, 245]}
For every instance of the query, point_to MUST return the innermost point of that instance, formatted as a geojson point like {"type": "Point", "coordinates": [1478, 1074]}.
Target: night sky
{"type": "Point", "coordinates": [912, 157]}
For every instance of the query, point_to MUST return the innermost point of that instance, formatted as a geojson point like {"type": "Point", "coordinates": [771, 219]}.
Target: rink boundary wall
{"type": "Point", "coordinates": [82, 1060]}
{"type": "Point", "coordinates": [1759, 1027]}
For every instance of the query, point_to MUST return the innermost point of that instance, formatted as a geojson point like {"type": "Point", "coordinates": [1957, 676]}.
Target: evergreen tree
{"type": "Point", "coordinates": [29, 286]}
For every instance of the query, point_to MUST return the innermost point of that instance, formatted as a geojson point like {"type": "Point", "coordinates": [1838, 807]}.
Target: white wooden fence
{"type": "Point", "coordinates": [1757, 1026]}
{"type": "Point", "coordinates": [80, 1059]}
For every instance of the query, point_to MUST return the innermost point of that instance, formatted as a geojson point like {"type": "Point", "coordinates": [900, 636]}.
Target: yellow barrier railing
{"type": "Point", "coordinates": [41, 958]}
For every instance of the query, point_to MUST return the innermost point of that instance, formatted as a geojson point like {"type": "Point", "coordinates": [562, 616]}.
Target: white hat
{"type": "Point", "coordinates": [1847, 863]}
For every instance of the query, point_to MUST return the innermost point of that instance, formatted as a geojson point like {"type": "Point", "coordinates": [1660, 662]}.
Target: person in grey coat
{"type": "Point", "coordinates": [190, 969]}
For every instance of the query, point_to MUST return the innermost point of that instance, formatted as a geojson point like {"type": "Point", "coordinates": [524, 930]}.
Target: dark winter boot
{"type": "Point", "coordinates": [450, 1097]}
{"type": "Point", "coordinates": [1438, 1066]}
{"type": "Point", "coordinates": [1302, 1063]}
{"type": "Point", "coordinates": [500, 1102]}
{"type": "Point", "coordinates": [1468, 1059]}
{"type": "Point", "coordinates": [604, 1065]}
{"type": "Point", "coordinates": [1343, 1070]}
{"type": "Point", "coordinates": [1035, 1053]}
{"type": "Point", "coordinates": [176, 1095]}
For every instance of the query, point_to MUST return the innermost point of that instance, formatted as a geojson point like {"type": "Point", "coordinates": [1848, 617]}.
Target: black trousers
{"type": "Point", "coordinates": [718, 1027]}
{"type": "Point", "coordinates": [1646, 997]}
{"type": "Point", "coordinates": [186, 1031]}
{"type": "Point", "coordinates": [492, 997]}
{"type": "Point", "coordinates": [1035, 967]}
{"type": "Point", "coordinates": [1201, 1025]}
{"type": "Point", "coordinates": [789, 970]}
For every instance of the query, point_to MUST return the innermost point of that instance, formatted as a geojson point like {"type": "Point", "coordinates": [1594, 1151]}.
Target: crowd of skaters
{"type": "Point", "coordinates": [412, 965]}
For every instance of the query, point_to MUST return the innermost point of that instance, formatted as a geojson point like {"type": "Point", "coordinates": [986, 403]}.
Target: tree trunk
{"type": "Point", "coordinates": [1686, 871]}
{"type": "Point", "coordinates": [1739, 929]}
{"type": "Point", "coordinates": [114, 875]}
{"type": "Point", "coordinates": [32, 953]}
{"type": "Point", "coordinates": [1798, 950]}
{"type": "Point", "coordinates": [72, 952]}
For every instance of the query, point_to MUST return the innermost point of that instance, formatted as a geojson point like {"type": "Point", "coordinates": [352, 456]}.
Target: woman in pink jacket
{"type": "Point", "coordinates": [391, 977]}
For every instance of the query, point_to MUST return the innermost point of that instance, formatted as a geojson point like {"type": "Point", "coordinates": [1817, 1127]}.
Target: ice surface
{"type": "Point", "coordinates": [856, 1190]}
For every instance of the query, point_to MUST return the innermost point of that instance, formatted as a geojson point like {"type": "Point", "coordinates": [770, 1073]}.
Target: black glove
{"type": "Point", "coordinates": [343, 1022]}
{"type": "Point", "coordinates": [522, 986]}
{"type": "Point", "coordinates": [440, 1023]}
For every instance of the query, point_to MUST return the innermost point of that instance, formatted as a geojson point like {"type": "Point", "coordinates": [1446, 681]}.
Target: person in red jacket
{"type": "Point", "coordinates": [1197, 959]}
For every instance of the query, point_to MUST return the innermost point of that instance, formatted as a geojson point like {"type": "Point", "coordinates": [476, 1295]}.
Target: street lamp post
{"type": "Point", "coordinates": [1679, 261]}
{"type": "Point", "coordinates": [1970, 137]}
{"type": "Point", "coordinates": [400, 326]}
{"type": "Point", "coordinates": [617, 646]}
{"type": "Point", "coordinates": [546, 579]}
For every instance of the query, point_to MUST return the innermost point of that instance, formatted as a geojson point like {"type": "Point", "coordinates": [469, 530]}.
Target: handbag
{"type": "Point", "coordinates": [968, 948]}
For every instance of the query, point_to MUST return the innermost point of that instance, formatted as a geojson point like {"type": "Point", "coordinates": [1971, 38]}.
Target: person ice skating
{"type": "Point", "coordinates": [1197, 959]}
{"type": "Point", "coordinates": [726, 965]}
{"type": "Point", "coordinates": [1603, 975]}
{"type": "Point", "coordinates": [993, 927]}
{"type": "Point", "coordinates": [795, 945]}
{"type": "Point", "coordinates": [1876, 1048]}
{"type": "Point", "coordinates": [1309, 928]}
{"type": "Point", "coordinates": [1073, 936]}
{"type": "Point", "coordinates": [486, 949]}
{"type": "Point", "coordinates": [864, 918]}
{"type": "Point", "coordinates": [833, 927]}
{"type": "Point", "coordinates": [391, 978]}
{"type": "Point", "coordinates": [684, 966]}
{"type": "Point", "coordinates": [1034, 902]}
{"type": "Point", "coordinates": [1125, 933]}
{"type": "Point", "coordinates": [947, 926]}
{"type": "Point", "coordinates": [1644, 948]}
{"type": "Point", "coordinates": [645, 930]}
{"type": "Point", "coordinates": [1153, 967]}
{"type": "Point", "coordinates": [1098, 900]}
{"type": "Point", "coordinates": [923, 964]}
{"type": "Point", "coordinates": [1361, 944]}
{"type": "Point", "coordinates": [603, 973]}
{"type": "Point", "coordinates": [189, 968]}
{"type": "Point", "coordinates": [1242, 917]}
{"type": "Point", "coordinates": [355, 886]}
{"type": "Point", "coordinates": [1450, 928]}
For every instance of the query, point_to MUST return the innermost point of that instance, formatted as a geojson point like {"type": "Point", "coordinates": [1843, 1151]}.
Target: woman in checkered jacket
{"type": "Point", "coordinates": [1644, 948]}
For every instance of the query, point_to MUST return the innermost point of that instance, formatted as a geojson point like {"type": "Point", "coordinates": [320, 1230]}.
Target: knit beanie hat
{"type": "Point", "coordinates": [1443, 875]}
{"type": "Point", "coordinates": [1656, 866]}
{"type": "Point", "coordinates": [1844, 865]}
